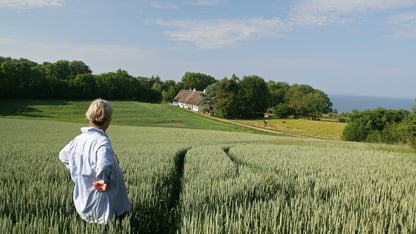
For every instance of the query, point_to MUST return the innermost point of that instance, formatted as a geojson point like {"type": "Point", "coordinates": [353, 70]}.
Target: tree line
{"type": "Point", "coordinates": [250, 97]}
{"type": "Point", "coordinates": [22, 78]}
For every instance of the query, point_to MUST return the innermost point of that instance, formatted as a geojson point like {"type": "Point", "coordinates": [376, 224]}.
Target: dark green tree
{"type": "Point", "coordinates": [169, 90]}
{"type": "Point", "coordinates": [21, 79]}
{"type": "Point", "coordinates": [294, 97]}
{"type": "Point", "coordinates": [253, 97]}
{"type": "Point", "coordinates": [115, 85]}
{"type": "Point", "coordinates": [315, 104]}
{"type": "Point", "coordinates": [85, 86]}
{"type": "Point", "coordinates": [78, 68]}
{"type": "Point", "coordinates": [277, 91]}
{"type": "Point", "coordinates": [198, 81]}
{"type": "Point", "coordinates": [209, 97]}
{"type": "Point", "coordinates": [226, 103]}
{"type": "Point", "coordinates": [59, 70]}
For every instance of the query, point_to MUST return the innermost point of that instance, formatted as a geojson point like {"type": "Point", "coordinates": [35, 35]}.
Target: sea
{"type": "Point", "coordinates": [347, 103]}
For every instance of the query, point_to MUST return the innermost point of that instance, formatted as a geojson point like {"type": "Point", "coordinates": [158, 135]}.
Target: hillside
{"type": "Point", "coordinates": [127, 113]}
{"type": "Point", "coordinates": [130, 113]}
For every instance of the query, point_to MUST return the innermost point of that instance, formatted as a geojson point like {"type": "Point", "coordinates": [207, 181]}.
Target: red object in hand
{"type": "Point", "coordinates": [99, 186]}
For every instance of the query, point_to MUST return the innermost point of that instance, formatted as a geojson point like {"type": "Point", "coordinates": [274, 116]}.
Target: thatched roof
{"type": "Point", "coordinates": [189, 97]}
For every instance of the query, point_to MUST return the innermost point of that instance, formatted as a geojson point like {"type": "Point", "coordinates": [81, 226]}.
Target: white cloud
{"type": "Point", "coordinates": [303, 13]}
{"type": "Point", "coordinates": [408, 18]}
{"type": "Point", "coordinates": [404, 25]}
{"type": "Point", "coordinates": [324, 12]}
{"type": "Point", "coordinates": [25, 4]}
{"type": "Point", "coordinates": [223, 33]}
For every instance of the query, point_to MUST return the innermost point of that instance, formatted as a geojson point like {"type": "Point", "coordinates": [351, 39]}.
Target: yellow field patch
{"type": "Point", "coordinates": [323, 129]}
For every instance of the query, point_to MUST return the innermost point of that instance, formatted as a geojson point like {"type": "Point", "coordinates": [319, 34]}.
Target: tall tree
{"type": "Point", "coordinates": [59, 70]}
{"type": "Point", "coordinates": [78, 68]}
{"type": "Point", "coordinates": [169, 90]}
{"type": "Point", "coordinates": [315, 104]}
{"type": "Point", "coordinates": [198, 81]}
{"type": "Point", "coordinates": [226, 104]}
{"type": "Point", "coordinates": [253, 96]}
{"type": "Point", "coordinates": [209, 96]}
{"type": "Point", "coordinates": [295, 95]}
{"type": "Point", "coordinates": [21, 79]}
{"type": "Point", "coordinates": [85, 86]}
{"type": "Point", "coordinates": [277, 92]}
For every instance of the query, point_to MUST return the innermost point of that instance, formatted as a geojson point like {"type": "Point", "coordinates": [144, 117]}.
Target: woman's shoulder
{"type": "Point", "coordinates": [95, 134]}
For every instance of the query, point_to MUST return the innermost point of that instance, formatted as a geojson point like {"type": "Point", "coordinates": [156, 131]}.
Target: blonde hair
{"type": "Point", "coordinates": [99, 112]}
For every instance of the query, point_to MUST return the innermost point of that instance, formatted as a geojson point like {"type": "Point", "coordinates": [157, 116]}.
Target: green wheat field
{"type": "Point", "coordinates": [190, 174]}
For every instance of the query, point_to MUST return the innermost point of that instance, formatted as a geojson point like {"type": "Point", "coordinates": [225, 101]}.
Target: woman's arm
{"type": "Point", "coordinates": [64, 155]}
{"type": "Point", "coordinates": [104, 169]}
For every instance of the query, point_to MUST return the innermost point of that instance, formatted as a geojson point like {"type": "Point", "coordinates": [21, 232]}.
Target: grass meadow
{"type": "Point", "coordinates": [187, 178]}
{"type": "Point", "coordinates": [125, 113]}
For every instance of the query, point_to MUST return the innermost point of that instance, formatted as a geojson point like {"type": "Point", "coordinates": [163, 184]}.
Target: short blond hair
{"type": "Point", "coordinates": [99, 111]}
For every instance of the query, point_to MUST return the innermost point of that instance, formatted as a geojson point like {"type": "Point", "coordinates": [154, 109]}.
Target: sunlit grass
{"type": "Point", "coordinates": [132, 113]}
{"type": "Point", "coordinates": [125, 113]}
{"type": "Point", "coordinates": [302, 127]}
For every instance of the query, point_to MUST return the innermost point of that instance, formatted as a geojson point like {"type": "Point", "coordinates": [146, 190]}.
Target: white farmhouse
{"type": "Point", "coordinates": [190, 99]}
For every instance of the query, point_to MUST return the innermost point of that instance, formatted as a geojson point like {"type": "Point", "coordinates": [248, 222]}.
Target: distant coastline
{"type": "Point", "coordinates": [347, 103]}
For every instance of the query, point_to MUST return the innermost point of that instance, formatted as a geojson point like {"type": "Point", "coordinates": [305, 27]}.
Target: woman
{"type": "Point", "coordinates": [100, 192]}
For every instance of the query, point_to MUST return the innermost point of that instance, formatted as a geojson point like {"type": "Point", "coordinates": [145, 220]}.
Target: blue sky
{"type": "Point", "coordinates": [352, 47]}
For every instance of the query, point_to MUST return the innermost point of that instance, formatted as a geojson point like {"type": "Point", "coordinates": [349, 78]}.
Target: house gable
{"type": "Point", "coordinates": [189, 99]}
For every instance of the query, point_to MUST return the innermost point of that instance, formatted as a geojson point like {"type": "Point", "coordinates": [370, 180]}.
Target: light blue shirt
{"type": "Point", "coordinates": [89, 157]}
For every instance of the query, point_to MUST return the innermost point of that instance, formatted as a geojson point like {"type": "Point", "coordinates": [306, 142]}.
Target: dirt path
{"type": "Point", "coordinates": [253, 127]}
